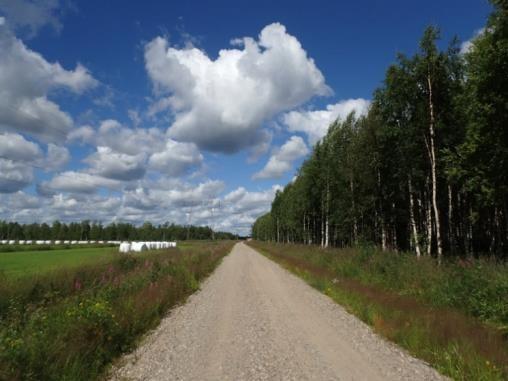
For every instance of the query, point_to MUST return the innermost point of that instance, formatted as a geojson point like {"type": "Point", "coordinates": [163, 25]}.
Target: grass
{"type": "Point", "coordinates": [69, 324]}
{"type": "Point", "coordinates": [30, 263]}
{"type": "Point", "coordinates": [453, 316]}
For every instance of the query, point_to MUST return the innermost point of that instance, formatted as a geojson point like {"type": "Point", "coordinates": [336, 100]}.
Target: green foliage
{"type": "Point", "coordinates": [86, 230]}
{"type": "Point", "coordinates": [431, 156]}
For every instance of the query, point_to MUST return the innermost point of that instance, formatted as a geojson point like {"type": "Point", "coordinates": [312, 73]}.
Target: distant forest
{"type": "Point", "coordinates": [426, 170]}
{"type": "Point", "coordinates": [95, 231]}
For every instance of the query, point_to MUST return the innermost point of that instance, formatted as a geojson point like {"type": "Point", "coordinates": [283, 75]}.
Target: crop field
{"type": "Point", "coordinates": [36, 262]}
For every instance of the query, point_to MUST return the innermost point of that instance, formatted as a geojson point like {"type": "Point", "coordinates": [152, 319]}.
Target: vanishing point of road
{"type": "Point", "coordinates": [253, 320]}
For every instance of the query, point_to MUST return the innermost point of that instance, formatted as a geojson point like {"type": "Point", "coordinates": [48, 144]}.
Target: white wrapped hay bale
{"type": "Point", "coordinates": [4, 242]}
{"type": "Point", "coordinates": [58, 242]}
{"type": "Point", "coordinates": [100, 242]}
{"type": "Point", "coordinates": [12, 242]}
{"type": "Point", "coordinates": [82, 242]}
{"type": "Point", "coordinates": [47, 242]}
{"type": "Point", "coordinates": [28, 242]}
{"type": "Point", "coordinates": [125, 247]}
{"type": "Point", "coordinates": [139, 246]}
{"type": "Point", "coordinates": [66, 242]}
{"type": "Point", "coordinates": [22, 242]}
{"type": "Point", "coordinates": [74, 242]}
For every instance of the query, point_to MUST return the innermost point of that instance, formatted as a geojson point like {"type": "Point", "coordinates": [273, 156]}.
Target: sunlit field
{"type": "Point", "coordinates": [66, 314]}
{"type": "Point", "coordinates": [28, 263]}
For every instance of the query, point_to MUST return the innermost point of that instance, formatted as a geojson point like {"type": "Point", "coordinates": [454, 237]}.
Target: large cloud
{"type": "Point", "coordinates": [77, 182]}
{"type": "Point", "coordinates": [221, 104]}
{"type": "Point", "coordinates": [176, 158]}
{"type": "Point", "coordinates": [118, 166]}
{"type": "Point", "coordinates": [127, 153]}
{"type": "Point", "coordinates": [315, 123]}
{"type": "Point", "coordinates": [32, 15]}
{"type": "Point", "coordinates": [26, 78]}
{"type": "Point", "coordinates": [14, 175]}
{"type": "Point", "coordinates": [16, 147]}
{"type": "Point", "coordinates": [17, 158]}
{"type": "Point", "coordinates": [57, 158]}
{"type": "Point", "coordinates": [282, 160]}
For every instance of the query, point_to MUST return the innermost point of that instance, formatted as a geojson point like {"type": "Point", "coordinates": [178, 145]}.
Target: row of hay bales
{"type": "Point", "coordinates": [56, 242]}
{"type": "Point", "coordinates": [126, 247]}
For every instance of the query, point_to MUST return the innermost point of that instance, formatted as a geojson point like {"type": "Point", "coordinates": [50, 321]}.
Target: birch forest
{"type": "Point", "coordinates": [426, 170]}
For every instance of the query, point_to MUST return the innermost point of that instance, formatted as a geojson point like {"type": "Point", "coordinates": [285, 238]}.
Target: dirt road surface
{"type": "Point", "coordinates": [253, 320]}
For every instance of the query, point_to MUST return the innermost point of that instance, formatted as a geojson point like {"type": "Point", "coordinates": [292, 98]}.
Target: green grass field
{"type": "Point", "coordinates": [29, 263]}
{"type": "Point", "coordinates": [66, 314]}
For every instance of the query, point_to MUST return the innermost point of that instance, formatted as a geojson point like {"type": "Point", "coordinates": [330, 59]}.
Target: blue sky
{"type": "Point", "coordinates": [125, 111]}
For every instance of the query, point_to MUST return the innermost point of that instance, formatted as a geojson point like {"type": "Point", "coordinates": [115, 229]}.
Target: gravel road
{"type": "Point", "coordinates": [253, 320]}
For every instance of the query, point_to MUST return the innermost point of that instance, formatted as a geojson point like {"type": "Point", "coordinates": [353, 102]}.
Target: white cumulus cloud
{"type": "Point", "coordinates": [221, 104]}
{"type": "Point", "coordinates": [16, 147]}
{"type": "Point", "coordinates": [26, 78]}
{"type": "Point", "coordinates": [315, 123]}
{"type": "Point", "coordinates": [14, 175]}
{"type": "Point", "coordinates": [176, 158]}
{"type": "Point", "coordinates": [124, 153]}
{"type": "Point", "coordinates": [57, 157]}
{"type": "Point", "coordinates": [76, 182]}
{"type": "Point", "coordinates": [118, 166]}
{"type": "Point", "coordinates": [32, 15]}
{"type": "Point", "coordinates": [282, 160]}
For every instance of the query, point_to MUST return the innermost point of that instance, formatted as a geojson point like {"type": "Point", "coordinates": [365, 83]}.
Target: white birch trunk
{"type": "Point", "coordinates": [412, 217]}
{"type": "Point", "coordinates": [428, 215]}
{"type": "Point", "coordinates": [433, 172]}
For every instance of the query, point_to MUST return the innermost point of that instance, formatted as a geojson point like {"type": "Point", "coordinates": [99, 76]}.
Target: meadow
{"type": "Point", "coordinates": [454, 316]}
{"type": "Point", "coordinates": [66, 315]}
{"type": "Point", "coordinates": [33, 261]}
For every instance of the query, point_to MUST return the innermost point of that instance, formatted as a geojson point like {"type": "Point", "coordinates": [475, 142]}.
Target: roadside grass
{"type": "Point", "coordinates": [17, 264]}
{"type": "Point", "coordinates": [71, 323]}
{"type": "Point", "coordinates": [453, 316]}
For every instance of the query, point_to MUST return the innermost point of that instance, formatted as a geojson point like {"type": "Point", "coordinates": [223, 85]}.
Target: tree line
{"type": "Point", "coordinates": [96, 231]}
{"type": "Point", "coordinates": [426, 169]}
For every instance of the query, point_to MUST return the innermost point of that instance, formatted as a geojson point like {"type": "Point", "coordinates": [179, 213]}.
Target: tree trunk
{"type": "Point", "coordinates": [428, 215]}
{"type": "Point", "coordinates": [432, 133]}
{"type": "Point", "coordinates": [412, 217]}
{"type": "Point", "coordinates": [353, 207]}
{"type": "Point", "coordinates": [322, 225]}
{"type": "Point", "coordinates": [327, 216]}
{"type": "Point", "coordinates": [304, 240]}
{"type": "Point", "coordinates": [470, 232]}
{"type": "Point", "coordinates": [451, 233]}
